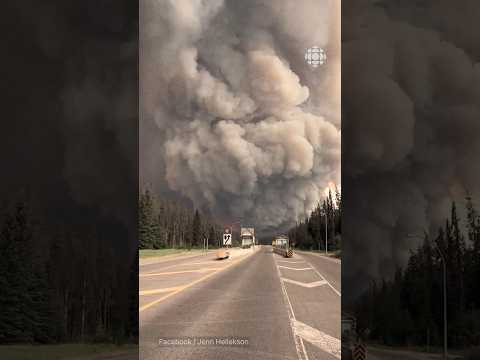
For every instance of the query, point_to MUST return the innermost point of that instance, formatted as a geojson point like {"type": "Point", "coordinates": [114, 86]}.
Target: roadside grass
{"type": "Point", "coordinates": [61, 351]}
{"type": "Point", "coordinates": [150, 253]}
{"type": "Point", "coordinates": [334, 254]}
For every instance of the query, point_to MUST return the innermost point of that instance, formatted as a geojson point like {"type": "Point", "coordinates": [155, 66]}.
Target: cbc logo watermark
{"type": "Point", "coordinates": [315, 56]}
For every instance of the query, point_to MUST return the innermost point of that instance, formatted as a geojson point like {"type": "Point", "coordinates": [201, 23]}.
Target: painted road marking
{"type": "Point", "coordinates": [307, 285]}
{"type": "Point", "coordinates": [158, 291]}
{"type": "Point", "coordinates": [200, 263]}
{"type": "Point", "coordinates": [178, 272]}
{"type": "Point", "coordinates": [318, 338]}
{"type": "Point", "coordinates": [291, 262]}
{"type": "Point", "coordinates": [299, 345]}
{"type": "Point", "coordinates": [316, 271]}
{"type": "Point", "coordinates": [299, 269]}
{"type": "Point", "coordinates": [331, 286]}
{"type": "Point", "coordinates": [302, 331]}
{"type": "Point", "coordinates": [184, 287]}
{"type": "Point", "coordinates": [206, 262]}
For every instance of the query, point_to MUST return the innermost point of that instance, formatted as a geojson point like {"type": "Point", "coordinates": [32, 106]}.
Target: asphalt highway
{"type": "Point", "coordinates": [255, 305]}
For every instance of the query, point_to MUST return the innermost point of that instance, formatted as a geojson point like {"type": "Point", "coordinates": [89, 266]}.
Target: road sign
{"type": "Point", "coordinates": [359, 352]}
{"type": "Point", "coordinates": [227, 239]}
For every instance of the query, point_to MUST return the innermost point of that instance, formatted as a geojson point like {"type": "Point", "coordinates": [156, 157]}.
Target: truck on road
{"type": "Point", "coordinates": [281, 245]}
{"type": "Point", "coordinates": [247, 236]}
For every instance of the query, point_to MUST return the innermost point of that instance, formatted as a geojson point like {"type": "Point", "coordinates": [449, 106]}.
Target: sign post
{"type": "Point", "coordinates": [359, 351]}
{"type": "Point", "coordinates": [227, 237]}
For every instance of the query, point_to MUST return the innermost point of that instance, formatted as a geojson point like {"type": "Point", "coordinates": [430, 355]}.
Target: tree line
{"type": "Point", "coordinates": [408, 310]}
{"type": "Point", "coordinates": [325, 221]}
{"type": "Point", "coordinates": [64, 283]}
{"type": "Point", "coordinates": [167, 224]}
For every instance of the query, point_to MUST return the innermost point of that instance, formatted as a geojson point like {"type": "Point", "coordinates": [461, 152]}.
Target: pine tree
{"type": "Point", "coordinates": [25, 301]}
{"type": "Point", "coordinates": [148, 226]}
{"type": "Point", "coordinates": [211, 236]}
{"type": "Point", "coordinates": [196, 235]}
{"type": "Point", "coordinates": [456, 264]}
{"type": "Point", "coordinates": [473, 256]}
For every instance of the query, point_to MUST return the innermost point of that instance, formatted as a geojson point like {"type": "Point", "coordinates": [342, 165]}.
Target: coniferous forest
{"type": "Point", "coordinates": [166, 224]}
{"type": "Point", "coordinates": [414, 296]}
{"type": "Point", "coordinates": [64, 283]}
{"type": "Point", "coordinates": [324, 220]}
{"type": "Point", "coordinates": [69, 182]}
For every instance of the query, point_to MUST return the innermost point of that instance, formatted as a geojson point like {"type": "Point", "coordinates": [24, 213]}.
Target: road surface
{"type": "Point", "coordinates": [256, 305]}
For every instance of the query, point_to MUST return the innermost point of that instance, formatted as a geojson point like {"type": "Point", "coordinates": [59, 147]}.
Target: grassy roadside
{"type": "Point", "coordinates": [333, 254]}
{"type": "Point", "coordinates": [155, 253]}
{"type": "Point", "coordinates": [62, 351]}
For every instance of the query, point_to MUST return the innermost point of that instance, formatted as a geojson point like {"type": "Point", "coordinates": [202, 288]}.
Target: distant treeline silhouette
{"type": "Point", "coordinates": [325, 220]}
{"type": "Point", "coordinates": [408, 310]}
{"type": "Point", "coordinates": [62, 283]}
{"type": "Point", "coordinates": [166, 224]}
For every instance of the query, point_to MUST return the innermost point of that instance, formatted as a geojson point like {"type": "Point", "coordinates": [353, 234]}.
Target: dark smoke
{"type": "Point", "coordinates": [411, 120]}
{"type": "Point", "coordinates": [245, 128]}
{"type": "Point", "coordinates": [70, 107]}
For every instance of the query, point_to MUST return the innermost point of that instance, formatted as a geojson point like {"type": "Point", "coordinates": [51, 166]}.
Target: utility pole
{"type": "Point", "coordinates": [326, 233]}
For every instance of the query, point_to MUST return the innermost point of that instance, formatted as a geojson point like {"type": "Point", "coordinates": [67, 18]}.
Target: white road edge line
{"type": "Point", "coordinates": [318, 338]}
{"type": "Point", "coordinates": [323, 277]}
{"type": "Point", "coordinates": [299, 345]}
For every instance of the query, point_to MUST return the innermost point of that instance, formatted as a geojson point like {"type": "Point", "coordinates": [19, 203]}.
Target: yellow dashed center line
{"type": "Point", "coordinates": [178, 272]}
{"type": "Point", "coordinates": [158, 291]}
{"type": "Point", "coordinates": [181, 288]}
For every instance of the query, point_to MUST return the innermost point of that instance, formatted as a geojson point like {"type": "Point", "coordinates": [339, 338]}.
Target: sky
{"type": "Point", "coordinates": [233, 121]}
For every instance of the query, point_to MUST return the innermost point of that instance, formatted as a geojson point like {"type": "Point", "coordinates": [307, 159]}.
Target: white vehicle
{"type": "Point", "coordinates": [247, 236]}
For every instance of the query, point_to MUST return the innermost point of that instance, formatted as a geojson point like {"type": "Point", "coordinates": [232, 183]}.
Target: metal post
{"type": "Point", "coordinates": [326, 234]}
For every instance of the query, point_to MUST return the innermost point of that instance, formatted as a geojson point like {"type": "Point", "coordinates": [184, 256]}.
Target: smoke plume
{"type": "Point", "coordinates": [244, 128]}
{"type": "Point", "coordinates": [411, 100]}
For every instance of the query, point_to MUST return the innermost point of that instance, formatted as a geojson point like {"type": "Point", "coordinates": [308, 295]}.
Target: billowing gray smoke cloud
{"type": "Point", "coordinates": [245, 128]}
{"type": "Point", "coordinates": [411, 123]}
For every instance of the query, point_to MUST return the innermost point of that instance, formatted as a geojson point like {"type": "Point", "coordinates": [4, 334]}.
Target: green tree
{"type": "Point", "coordinates": [24, 300]}
{"type": "Point", "coordinates": [148, 226]}
{"type": "Point", "coordinates": [196, 235]}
